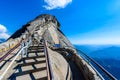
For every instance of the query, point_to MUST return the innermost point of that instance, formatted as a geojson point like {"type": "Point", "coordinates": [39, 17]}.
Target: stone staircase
{"type": "Point", "coordinates": [33, 66]}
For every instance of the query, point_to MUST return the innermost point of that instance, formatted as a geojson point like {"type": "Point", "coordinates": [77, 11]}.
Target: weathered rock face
{"type": "Point", "coordinates": [44, 25]}
{"type": "Point", "coordinates": [47, 27]}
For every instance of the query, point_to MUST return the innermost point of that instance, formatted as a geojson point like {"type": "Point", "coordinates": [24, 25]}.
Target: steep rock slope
{"type": "Point", "coordinates": [60, 50]}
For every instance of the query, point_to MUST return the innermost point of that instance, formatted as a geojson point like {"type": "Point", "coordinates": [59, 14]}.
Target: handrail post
{"type": "Point", "coordinates": [26, 50]}
{"type": "Point", "coordinates": [22, 55]}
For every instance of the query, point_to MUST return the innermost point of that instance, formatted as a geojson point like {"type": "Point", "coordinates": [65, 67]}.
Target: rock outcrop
{"type": "Point", "coordinates": [60, 50]}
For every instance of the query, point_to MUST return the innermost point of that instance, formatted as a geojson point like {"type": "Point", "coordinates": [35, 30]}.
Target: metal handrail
{"type": "Point", "coordinates": [19, 52]}
{"type": "Point", "coordinates": [50, 72]}
{"type": "Point", "coordinates": [11, 50]}
{"type": "Point", "coordinates": [98, 65]}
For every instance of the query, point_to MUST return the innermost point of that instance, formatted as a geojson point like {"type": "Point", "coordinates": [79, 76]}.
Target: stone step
{"type": "Point", "coordinates": [33, 74]}
{"type": "Point", "coordinates": [34, 57]}
{"type": "Point", "coordinates": [35, 54]}
{"type": "Point", "coordinates": [32, 60]}
{"type": "Point", "coordinates": [29, 76]}
{"type": "Point", "coordinates": [35, 51]}
{"type": "Point", "coordinates": [36, 47]}
{"type": "Point", "coordinates": [31, 63]}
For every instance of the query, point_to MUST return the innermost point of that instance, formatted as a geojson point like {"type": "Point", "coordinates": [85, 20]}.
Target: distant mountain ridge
{"type": "Point", "coordinates": [101, 51]}
{"type": "Point", "coordinates": [91, 48]}
{"type": "Point", "coordinates": [110, 52]}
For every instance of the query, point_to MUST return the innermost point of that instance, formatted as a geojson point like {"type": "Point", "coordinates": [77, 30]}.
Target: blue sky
{"type": "Point", "coordinates": [82, 21]}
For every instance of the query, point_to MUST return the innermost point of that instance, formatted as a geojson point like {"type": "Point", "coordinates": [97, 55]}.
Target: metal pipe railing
{"type": "Point", "coordinates": [11, 50]}
{"type": "Point", "coordinates": [19, 52]}
{"type": "Point", "coordinates": [98, 65]}
{"type": "Point", "coordinates": [49, 67]}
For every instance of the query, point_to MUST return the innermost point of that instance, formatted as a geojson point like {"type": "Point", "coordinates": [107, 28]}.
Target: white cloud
{"type": "Point", "coordinates": [52, 4]}
{"type": "Point", "coordinates": [3, 32]}
{"type": "Point", "coordinates": [2, 29]}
